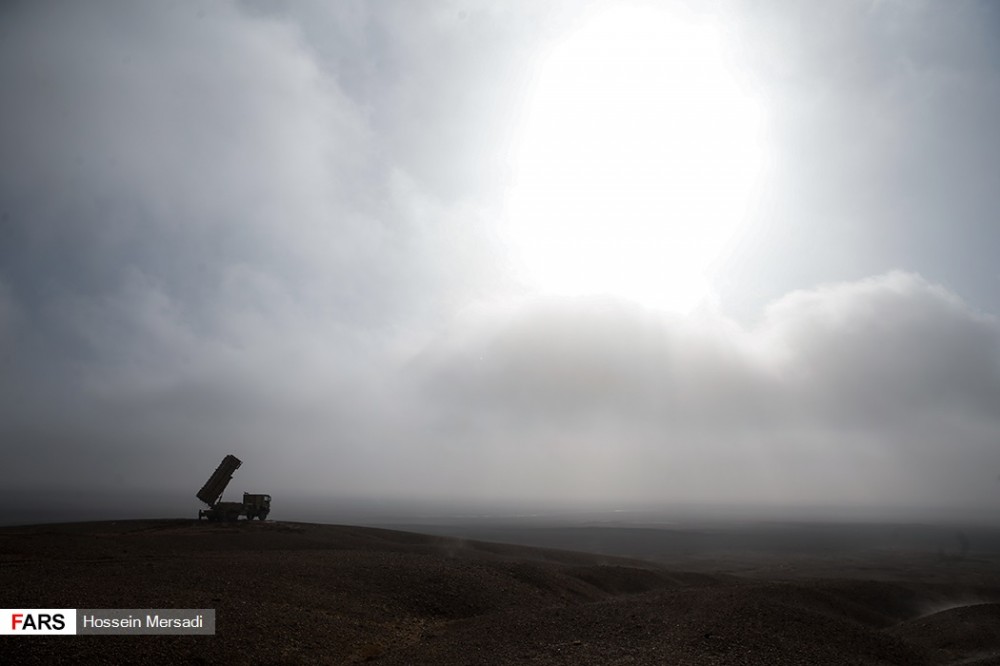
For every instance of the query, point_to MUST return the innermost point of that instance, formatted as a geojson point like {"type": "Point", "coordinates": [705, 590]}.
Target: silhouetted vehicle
{"type": "Point", "coordinates": [253, 506]}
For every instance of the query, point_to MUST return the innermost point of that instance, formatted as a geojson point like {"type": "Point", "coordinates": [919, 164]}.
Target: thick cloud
{"type": "Point", "coordinates": [204, 243]}
{"type": "Point", "coordinates": [882, 390]}
{"type": "Point", "coordinates": [246, 228]}
{"type": "Point", "coordinates": [877, 115]}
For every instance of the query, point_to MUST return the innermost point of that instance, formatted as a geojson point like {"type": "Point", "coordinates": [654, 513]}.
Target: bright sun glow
{"type": "Point", "coordinates": [636, 163]}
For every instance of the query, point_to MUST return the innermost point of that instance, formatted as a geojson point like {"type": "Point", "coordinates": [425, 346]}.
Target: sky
{"type": "Point", "coordinates": [554, 254]}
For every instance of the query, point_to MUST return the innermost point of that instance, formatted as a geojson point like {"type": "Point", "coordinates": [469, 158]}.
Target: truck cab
{"type": "Point", "coordinates": [256, 506]}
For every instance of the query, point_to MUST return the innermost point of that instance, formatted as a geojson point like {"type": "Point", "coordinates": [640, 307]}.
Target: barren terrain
{"type": "Point", "coordinates": [296, 593]}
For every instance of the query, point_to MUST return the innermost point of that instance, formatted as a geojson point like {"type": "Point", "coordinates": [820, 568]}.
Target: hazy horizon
{"type": "Point", "coordinates": [66, 506]}
{"type": "Point", "coordinates": [586, 254]}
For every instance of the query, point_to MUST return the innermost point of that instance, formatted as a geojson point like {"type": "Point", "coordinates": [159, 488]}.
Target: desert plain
{"type": "Point", "coordinates": [304, 593]}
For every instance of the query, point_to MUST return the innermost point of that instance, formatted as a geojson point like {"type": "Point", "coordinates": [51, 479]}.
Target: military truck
{"type": "Point", "coordinates": [253, 505]}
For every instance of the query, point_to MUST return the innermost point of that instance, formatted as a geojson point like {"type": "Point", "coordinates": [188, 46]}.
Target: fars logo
{"type": "Point", "coordinates": [37, 621]}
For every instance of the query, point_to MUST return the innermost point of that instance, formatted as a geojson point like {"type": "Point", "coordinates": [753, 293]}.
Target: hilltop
{"type": "Point", "coordinates": [298, 593]}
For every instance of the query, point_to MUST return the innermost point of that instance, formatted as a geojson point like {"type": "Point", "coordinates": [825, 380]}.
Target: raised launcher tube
{"type": "Point", "coordinates": [212, 491]}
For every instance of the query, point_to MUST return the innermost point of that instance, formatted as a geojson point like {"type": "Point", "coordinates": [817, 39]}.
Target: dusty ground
{"type": "Point", "coordinates": [294, 593]}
